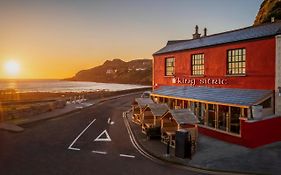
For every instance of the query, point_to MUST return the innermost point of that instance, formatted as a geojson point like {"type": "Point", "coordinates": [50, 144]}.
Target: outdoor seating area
{"type": "Point", "coordinates": [157, 120]}
{"type": "Point", "coordinates": [151, 118]}
{"type": "Point", "coordinates": [138, 106]}
{"type": "Point", "coordinates": [179, 119]}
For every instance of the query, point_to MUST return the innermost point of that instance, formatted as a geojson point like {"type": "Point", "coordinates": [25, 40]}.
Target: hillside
{"type": "Point", "coordinates": [118, 71]}
{"type": "Point", "coordinates": [268, 9]}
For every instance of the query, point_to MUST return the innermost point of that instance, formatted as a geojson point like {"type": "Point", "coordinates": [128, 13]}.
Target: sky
{"type": "Point", "coordinates": [54, 39]}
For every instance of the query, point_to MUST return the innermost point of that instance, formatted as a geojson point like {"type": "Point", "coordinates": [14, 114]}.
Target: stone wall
{"type": "Point", "coordinates": [20, 111]}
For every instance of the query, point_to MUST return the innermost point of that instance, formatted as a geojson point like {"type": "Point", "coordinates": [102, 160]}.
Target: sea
{"type": "Point", "coordinates": [62, 86]}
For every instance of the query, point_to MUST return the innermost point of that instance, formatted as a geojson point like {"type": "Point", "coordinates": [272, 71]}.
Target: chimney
{"type": "Point", "coordinates": [272, 19]}
{"type": "Point", "coordinates": [196, 35]}
{"type": "Point", "coordinates": [205, 31]}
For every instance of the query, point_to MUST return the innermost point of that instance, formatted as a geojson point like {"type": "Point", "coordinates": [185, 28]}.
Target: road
{"type": "Point", "coordinates": [85, 142]}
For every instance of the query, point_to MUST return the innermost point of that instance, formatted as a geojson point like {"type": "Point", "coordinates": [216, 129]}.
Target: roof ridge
{"type": "Point", "coordinates": [241, 34]}
{"type": "Point", "coordinates": [229, 31]}
{"type": "Point", "coordinates": [235, 30]}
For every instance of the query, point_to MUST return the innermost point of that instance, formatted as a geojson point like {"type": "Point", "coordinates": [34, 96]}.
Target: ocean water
{"type": "Point", "coordinates": [62, 86]}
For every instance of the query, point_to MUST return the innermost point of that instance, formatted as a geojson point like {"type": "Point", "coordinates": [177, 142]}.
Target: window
{"type": "Point", "coordinates": [236, 62]}
{"type": "Point", "coordinates": [234, 120]}
{"type": "Point", "coordinates": [197, 64]}
{"type": "Point", "coordinates": [211, 115]}
{"type": "Point", "coordinates": [169, 66]}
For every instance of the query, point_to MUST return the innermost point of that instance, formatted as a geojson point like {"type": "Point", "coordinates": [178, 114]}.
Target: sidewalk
{"type": "Point", "coordinates": [14, 125]}
{"type": "Point", "coordinates": [213, 154]}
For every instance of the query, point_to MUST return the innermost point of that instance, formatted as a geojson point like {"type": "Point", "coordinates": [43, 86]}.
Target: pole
{"type": "Point", "coordinates": [168, 147]}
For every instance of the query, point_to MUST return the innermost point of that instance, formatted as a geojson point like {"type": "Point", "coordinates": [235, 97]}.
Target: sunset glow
{"type": "Point", "coordinates": [56, 39]}
{"type": "Point", "coordinates": [11, 68]}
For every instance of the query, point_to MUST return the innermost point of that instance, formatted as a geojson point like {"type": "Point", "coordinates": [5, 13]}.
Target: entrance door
{"type": "Point", "coordinates": [223, 117]}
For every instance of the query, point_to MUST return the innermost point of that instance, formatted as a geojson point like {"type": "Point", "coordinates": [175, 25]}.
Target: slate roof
{"type": "Point", "coordinates": [240, 97]}
{"type": "Point", "coordinates": [142, 102]}
{"type": "Point", "coordinates": [184, 116]}
{"type": "Point", "coordinates": [248, 33]}
{"type": "Point", "coordinates": [158, 109]}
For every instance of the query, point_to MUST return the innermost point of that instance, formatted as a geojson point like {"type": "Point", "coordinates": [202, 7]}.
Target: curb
{"type": "Point", "coordinates": [193, 168]}
{"type": "Point", "coordinates": [6, 126]}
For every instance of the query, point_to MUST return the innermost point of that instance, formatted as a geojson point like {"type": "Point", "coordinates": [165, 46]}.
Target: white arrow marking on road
{"type": "Point", "coordinates": [107, 139]}
{"type": "Point", "coordinates": [109, 121]}
{"type": "Point", "coordinates": [77, 149]}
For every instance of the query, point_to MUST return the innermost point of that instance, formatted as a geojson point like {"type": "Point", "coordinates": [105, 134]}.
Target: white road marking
{"type": "Point", "coordinates": [107, 139]}
{"type": "Point", "coordinates": [126, 155]}
{"type": "Point", "coordinates": [134, 142]}
{"type": "Point", "coordinates": [109, 121]}
{"type": "Point", "coordinates": [99, 152]}
{"type": "Point", "coordinates": [77, 149]}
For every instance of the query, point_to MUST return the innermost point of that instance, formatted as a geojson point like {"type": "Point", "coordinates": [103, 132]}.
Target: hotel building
{"type": "Point", "coordinates": [231, 80]}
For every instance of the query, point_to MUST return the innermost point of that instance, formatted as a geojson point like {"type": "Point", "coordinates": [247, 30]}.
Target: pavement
{"type": "Point", "coordinates": [216, 155]}
{"type": "Point", "coordinates": [211, 155]}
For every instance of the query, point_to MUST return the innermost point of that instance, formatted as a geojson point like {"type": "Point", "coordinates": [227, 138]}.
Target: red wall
{"type": "Point", "coordinates": [260, 65]}
{"type": "Point", "coordinates": [253, 134]}
{"type": "Point", "coordinates": [261, 132]}
{"type": "Point", "coordinates": [221, 136]}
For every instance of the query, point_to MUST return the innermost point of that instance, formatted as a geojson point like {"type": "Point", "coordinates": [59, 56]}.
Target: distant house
{"type": "Point", "coordinates": [109, 71]}
{"type": "Point", "coordinates": [230, 80]}
{"type": "Point", "coordinates": [140, 69]}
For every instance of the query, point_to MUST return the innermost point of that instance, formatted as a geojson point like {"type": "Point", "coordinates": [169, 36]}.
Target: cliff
{"type": "Point", "coordinates": [118, 71]}
{"type": "Point", "coordinates": [268, 9]}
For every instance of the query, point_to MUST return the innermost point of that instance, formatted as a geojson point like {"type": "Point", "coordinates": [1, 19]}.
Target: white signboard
{"type": "Point", "coordinates": [201, 81]}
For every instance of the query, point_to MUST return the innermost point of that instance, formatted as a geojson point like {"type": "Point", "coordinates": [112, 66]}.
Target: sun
{"type": "Point", "coordinates": [12, 67]}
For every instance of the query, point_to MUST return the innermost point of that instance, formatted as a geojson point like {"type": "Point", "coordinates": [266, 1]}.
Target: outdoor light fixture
{"type": "Point", "coordinates": [279, 88]}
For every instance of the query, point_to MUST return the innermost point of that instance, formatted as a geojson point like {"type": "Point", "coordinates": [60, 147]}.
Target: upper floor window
{"type": "Point", "coordinates": [236, 62]}
{"type": "Point", "coordinates": [169, 66]}
{"type": "Point", "coordinates": [197, 62]}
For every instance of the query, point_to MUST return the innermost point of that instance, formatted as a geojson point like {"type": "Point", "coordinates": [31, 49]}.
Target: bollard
{"type": "Point", "coordinates": [168, 148]}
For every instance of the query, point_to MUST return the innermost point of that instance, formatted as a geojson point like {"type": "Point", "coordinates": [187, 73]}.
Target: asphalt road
{"type": "Point", "coordinates": [85, 142]}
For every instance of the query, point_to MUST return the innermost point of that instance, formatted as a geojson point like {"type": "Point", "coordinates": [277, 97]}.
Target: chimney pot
{"type": "Point", "coordinates": [196, 35]}
{"type": "Point", "coordinates": [205, 31]}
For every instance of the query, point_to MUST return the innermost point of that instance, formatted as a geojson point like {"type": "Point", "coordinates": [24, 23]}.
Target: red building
{"type": "Point", "coordinates": [231, 80]}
